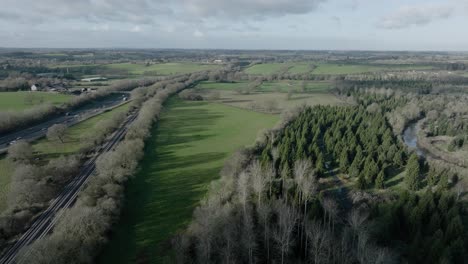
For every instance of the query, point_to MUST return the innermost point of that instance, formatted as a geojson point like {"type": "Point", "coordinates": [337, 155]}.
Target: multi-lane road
{"type": "Point", "coordinates": [70, 118]}
{"type": "Point", "coordinates": [46, 221]}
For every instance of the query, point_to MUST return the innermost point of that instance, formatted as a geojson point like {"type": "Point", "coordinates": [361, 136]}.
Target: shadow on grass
{"type": "Point", "coordinates": [160, 199]}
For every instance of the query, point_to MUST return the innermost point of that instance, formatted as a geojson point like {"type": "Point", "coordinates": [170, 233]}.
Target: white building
{"type": "Point", "coordinates": [33, 88]}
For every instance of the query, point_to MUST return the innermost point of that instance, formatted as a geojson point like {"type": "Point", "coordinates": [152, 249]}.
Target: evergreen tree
{"type": "Point", "coordinates": [344, 161]}
{"type": "Point", "coordinates": [361, 183]}
{"type": "Point", "coordinates": [380, 181]}
{"type": "Point", "coordinates": [412, 178]}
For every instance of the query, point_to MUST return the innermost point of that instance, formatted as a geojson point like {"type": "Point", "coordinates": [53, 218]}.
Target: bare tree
{"type": "Point", "coordinates": [319, 238]}
{"type": "Point", "coordinates": [286, 217]}
{"type": "Point", "coordinates": [56, 131]}
{"type": "Point", "coordinates": [243, 189]}
{"type": "Point", "coordinates": [331, 212]}
{"type": "Point", "coordinates": [264, 212]}
{"type": "Point", "coordinates": [258, 179]}
{"type": "Point", "coordinates": [20, 151]}
{"type": "Point", "coordinates": [301, 169]}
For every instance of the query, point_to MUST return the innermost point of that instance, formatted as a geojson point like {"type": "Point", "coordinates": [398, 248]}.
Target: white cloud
{"type": "Point", "coordinates": [136, 29]}
{"type": "Point", "coordinates": [250, 8]}
{"type": "Point", "coordinates": [197, 33]}
{"type": "Point", "coordinates": [103, 27]}
{"type": "Point", "coordinates": [408, 16]}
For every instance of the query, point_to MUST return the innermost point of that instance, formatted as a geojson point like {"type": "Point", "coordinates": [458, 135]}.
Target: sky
{"type": "Point", "coordinates": [236, 24]}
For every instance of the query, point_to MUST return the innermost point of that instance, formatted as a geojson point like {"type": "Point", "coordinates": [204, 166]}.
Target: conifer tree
{"type": "Point", "coordinates": [380, 181]}
{"type": "Point", "coordinates": [412, 178]}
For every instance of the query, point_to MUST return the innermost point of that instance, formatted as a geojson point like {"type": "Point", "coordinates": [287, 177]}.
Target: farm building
{"type": "Point", "coordinates": [33, 88]}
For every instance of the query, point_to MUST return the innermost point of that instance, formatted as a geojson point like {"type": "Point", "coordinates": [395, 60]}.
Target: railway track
{"type": "Point", "coordinates": [45, 223]}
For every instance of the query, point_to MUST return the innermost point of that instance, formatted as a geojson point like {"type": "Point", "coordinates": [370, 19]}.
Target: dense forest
{"type": "Point", "coordinates": [271, 199]}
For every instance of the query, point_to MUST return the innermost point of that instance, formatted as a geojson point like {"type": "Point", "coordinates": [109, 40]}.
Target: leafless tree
{"type": "Point", "coordinates": [258, 179]}
{"type": "Point", "coordinates": [56, 131]}
{"type": "Point", "coordinates": [243, 189]}
{"type": "Point", "coordinates": [319, 239]}
{"type": "Point", "coordinates": [20, 151]}
{"type": "Point", "coordinates": [264, 214]}
{"type": "Point", "coordinates": [286, 217]}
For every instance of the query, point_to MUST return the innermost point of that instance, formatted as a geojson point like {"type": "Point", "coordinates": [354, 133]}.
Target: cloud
{"type": "Point", "coordinates": [250, 8]}
{"type": "Point", "coordinates": [415, 15]}
{"type": "Point", "coordinates": [198, 34]}
{"type": "Point", "coordinates": [136, 29]}
{"type": "Point", "coordinates": [135, 11]}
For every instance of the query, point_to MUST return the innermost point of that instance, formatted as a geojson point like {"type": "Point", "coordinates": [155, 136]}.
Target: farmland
{"type": "Point", "coordinates": [161, 69]}
{"type": "Point", "coordinates": [322, 68]}
{"type": "Point", "coordinates": [270, 96]}
{"type": "Point", "coordinates": [186, 152]}
{"type": "Point", "coordinates": [18, 101]}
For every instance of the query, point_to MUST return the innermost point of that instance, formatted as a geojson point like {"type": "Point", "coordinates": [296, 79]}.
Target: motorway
{"type": "Point", "coordinates": [73, 117]}
{"type": "Point", "coordinates": [45, 222]}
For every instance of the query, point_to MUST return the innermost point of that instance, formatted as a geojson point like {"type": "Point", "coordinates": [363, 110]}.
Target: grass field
{"type": "Point", "coordinates": [296, 86]}
{"type": "Point", "coordinates": [266, 68]}
{"type": "Point", "coordinates": [222, 86]}
{"type": "Point", "coordinates": [300, 68]}
{"type": "Point", "coordinates": [327, 68]}
{"type": "Point", "coordinates": [277, 86]}
{"type": "Point", "coordinates": [186, 153]}
{"type": "Point", "coordinates": [330, 68]}
{"type": "Point", "coordinates": [17, 101]}
{"type": "Point", "coordinates": [163, 68]}
{"type": "Point", "coordinates": [263, 101]}
{"type": "Point", "coordinates": [45, 149]}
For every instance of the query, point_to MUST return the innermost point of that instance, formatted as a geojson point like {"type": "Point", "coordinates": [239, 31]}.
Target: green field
{"type": "Point", "coordinates": [48, 149]}
{"type": "Point", "coordinates": [45, 149]}
{"type": "Point", "coordinates": [327, 68]}
{"type": "Point", "coordinates": [163, 68]}
{"type": "Point", "coordinates": [266, 68]}
{"type": "Point", "coordinates": [276, 86]}
{"type": "Point", "coordinates": [187, 151]}
{"type": "Point", "coordinates": [222, 86]}
{"type": "Point", "coordinates": [300, 68]}
{"type": "Point", "coordinates": [17, 101]}
{"type": "Point", "coordinates": [296, 86]}
{"type": "Point", "coordinates": [331, 68]}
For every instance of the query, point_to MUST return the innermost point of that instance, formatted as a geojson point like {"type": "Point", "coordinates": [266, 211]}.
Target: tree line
{"type": "Point", "coordinates": [83, 228]}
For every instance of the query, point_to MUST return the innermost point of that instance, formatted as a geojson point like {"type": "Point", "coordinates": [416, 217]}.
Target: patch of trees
{"type": "Point", "coordinates": [452, 125]}
{"type": "Point", "coordinates": [82, 230]}
{"type": "Point", "coordinates": [190, 95]}
{"type": "Point", "coordinates": [456, 66]}
{"type": "Point", "coordinates": [427, 228]}
{"type": "Point", "coordinates": [357, 140]}
{"type": "Point", "coordinates": [414, 86]}
{"type": "Point", "coordinates": [33, 185]}
{"type": "Point", "coordinates": [457, 143]}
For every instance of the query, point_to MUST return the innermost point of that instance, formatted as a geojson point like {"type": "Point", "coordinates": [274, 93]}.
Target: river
{"type": "Point", "coordinates": [410, 137]}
